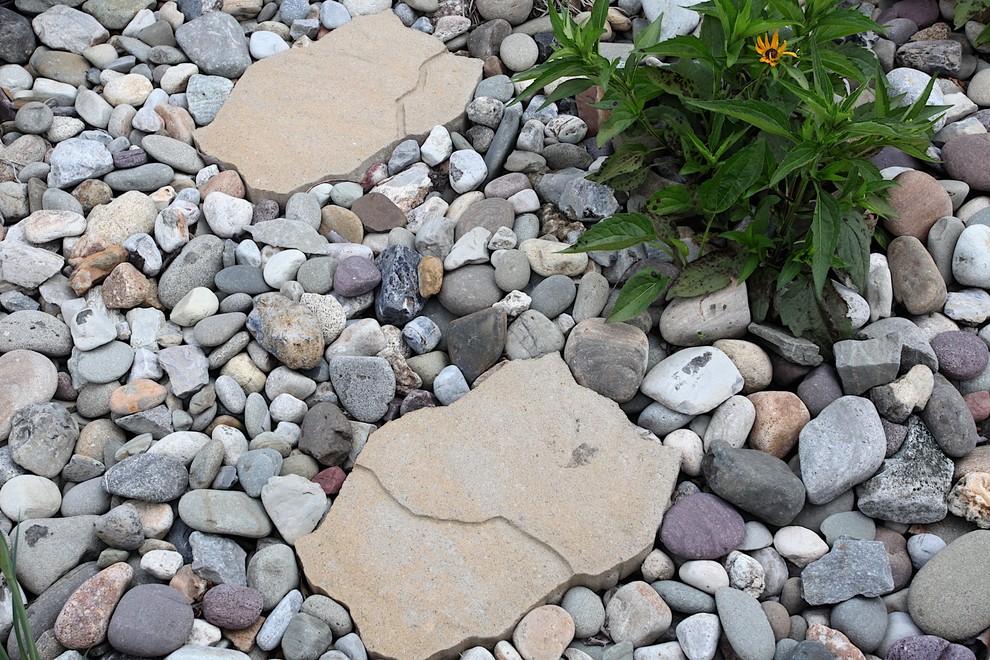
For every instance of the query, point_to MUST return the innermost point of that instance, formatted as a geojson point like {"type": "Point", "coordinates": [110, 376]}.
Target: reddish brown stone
{"type": "Point", "coordinates": [378, 212]}
{"type": "Point", "coordinates": [228, 182]}
{"type": "Point", "coordinates": [331, 479]}
{"type": "Point", "coordinates": [979, 405]}
{"type": "Point", "coordinates": [95, 267]}
{"type": "Point", "coordinates": [592, 116]}
{"type": "Point", "coordinates": [84, 618]}
{"type": "Point", "coordinates": [780, 416]}
{"type": "Point", "coordinates": [190, 584]}
{"type": "Point", "coordinates": [920, 201]}
{"type": "Point", "coordinates": [125, 287]}
{"type": "Point", "coordinates": [243, 640]}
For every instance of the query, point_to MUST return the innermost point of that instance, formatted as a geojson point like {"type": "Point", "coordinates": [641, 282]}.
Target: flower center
{"type": "Point", "coordinates": [771, 53]}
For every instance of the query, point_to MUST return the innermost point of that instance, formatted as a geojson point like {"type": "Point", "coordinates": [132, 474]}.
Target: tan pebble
{"type": "Point", "coordinates": [919, 201]}
{"type": "Point", "coordinates": [244, 371]}
{"type": "Point", "coordinates": [191, 585]}
{"type": "Point", "coordinates": [243, 640]}
{"type": "Point", "coordinates": [780, 416]}
{"type": "Point", "coordinates": [228, 182]}
{"type": "Point", "coordinates": [179, 124]}
{"type": "Point", "coordinates": [838, 644]}
{"type": "Point", "coordinates": [751, 361]}
{"type": "Point", "coordinates": [430, 276]}
{"type": "Point", "coordinates": [977, 460]}
{"type": "Point", "coordinates": [138, 395]}
{"type": "Point", "coordinates": [343, 221]}
{"type": "Point", "coordinates": [544, 633]}
{"type": "Point", "coordinates": [125, 287]}
{"type": "Point", "coordinates": [84, 618]}
{"type": "Point", "coordinates": [780, 620]}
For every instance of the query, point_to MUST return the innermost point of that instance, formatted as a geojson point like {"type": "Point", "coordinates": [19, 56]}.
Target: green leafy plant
{"type": "Point", "coordinates": [757, 135]}
{"type": "Point", "coordinates": [22, 629]}
{"type": "Point", "coordinates": [973, 10]}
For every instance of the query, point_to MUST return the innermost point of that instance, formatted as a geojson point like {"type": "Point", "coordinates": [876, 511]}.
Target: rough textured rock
{"type": "Point", "coordinates": [519, 504]}
{"type": "Point", "coordinates": [348, 76]}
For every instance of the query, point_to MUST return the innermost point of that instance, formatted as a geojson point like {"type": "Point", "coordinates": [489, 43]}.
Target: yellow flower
{"type": "Point", "coordinates": [771, 50]}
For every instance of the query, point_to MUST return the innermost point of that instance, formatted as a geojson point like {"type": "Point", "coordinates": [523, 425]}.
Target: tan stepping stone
{"type": "Point", "coordinates": [456, 521]}
{"type": "Point", "coordinates": [329, 111]}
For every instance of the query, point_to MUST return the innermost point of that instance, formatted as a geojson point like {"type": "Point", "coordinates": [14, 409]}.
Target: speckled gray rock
{"type": "Point", "coordinates": [224, 512]}
{"type": "Point", "coordinates": [33, 330]}
{"type": "Point", "coordinates": [147, 477]}
{"type": "Point", "coordinates": [151, 620]}
{"type": "Point", "coordinates": [398, 300]}
{"type": "Point", "coordinates": [851, 568]}
{"type": "Point", "coordinates": [532, 335]}
{"type": "Point", "coordinates": [364, 385]}
{"type": "Point", "coordinates": [216, 44]}
{"type": "Point", "coordinates": [840, 448]}
{"type": "Point", "coordinates": [587, 610]}
{"type": "Point", "coordinates": [42, 438]}
{"type": "Point", "coordinates": [217, 559]}
{"type": "Point", "coordinates": [197, 264]}
{"type": "Point", "coordinates": [912, 485]}
{"type": "Point", "coordinates": [305, 637]}
{"type": "Point", "coordinates": [273, 572]}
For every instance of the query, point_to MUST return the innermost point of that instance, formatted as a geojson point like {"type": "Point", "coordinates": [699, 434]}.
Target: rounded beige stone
{"type": "Point", "coordinates": [544, 633]}
{"type": "Point", "coordinates": [780, 416]}
{"type": "Point", "coordinates": [751, 361]}
{"type": "Point", "coordinates": [84, 618]}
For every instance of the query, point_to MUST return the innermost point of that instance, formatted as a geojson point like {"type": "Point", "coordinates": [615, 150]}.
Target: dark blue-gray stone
{"type": "Point", "coordinates": [242, 279]}
{"type": "Point", "coordinates": [754, 481]}
{"type": "Point", "coordinates": [475, 342]}
{"type": "Point", "coordinates": [950, 419]}
{"type": "Point", "coordinates": [16, 37]}
{"type": "Point", "coordinates": [398, 300]}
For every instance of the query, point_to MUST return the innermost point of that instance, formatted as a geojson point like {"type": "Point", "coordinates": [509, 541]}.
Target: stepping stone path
{"type": "Point", "coordinates": [291, 365]}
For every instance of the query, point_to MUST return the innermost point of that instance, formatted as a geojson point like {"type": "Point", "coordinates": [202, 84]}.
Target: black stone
{"type": "Point", "coordinates": [476, 341]}
{"type": "Point", "coordinates": [398, 300]}
{"type": "Point", "coordinates": [16, 37]}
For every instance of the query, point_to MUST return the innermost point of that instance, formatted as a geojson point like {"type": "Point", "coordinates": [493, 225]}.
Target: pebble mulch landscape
{"type": "Point", "coordinates": [187, 377]}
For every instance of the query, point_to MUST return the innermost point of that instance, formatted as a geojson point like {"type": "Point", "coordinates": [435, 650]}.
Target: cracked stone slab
{"type": "Point", "coordinates": [337, 106]}
{"type": "Point", "coordinates": [456, 521]}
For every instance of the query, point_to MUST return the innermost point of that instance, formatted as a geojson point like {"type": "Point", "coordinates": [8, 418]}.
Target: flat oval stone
{"type": "Point", "coordinates": [224, 512]}
{"type": "Point", "coordinates": [85, 617]}
{"type": "Point", "coordinates": [232, 607]}
{"type": "Point", "coordinates": [950, 595]}
{"type": "Point", "coordinates": [961, 355]}
{"type": "Point", "coordinates": [702, 526]}
{"type": "Point", "coordinates": [754, 481]}
{"type": "Point", "coordinates": [693, 381]}
{"type": "Point", "coordinates": [147, 477]}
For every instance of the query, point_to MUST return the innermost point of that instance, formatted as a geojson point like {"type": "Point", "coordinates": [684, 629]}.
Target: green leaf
{"type": "Point", "coordinates": [732, 179]}
{"type": "Point", "coordinates": [819, 319]}
{"type": "Point", "coordinates": [801, 156]}
{"type": "Point", "coordinates": [648, 36]}
{"type": "Point", "coordinates": [671, 81]}
{"type": "Point", "coordinates": [853, 248]}
{"type": "Point", "coordinates": [618, 121]}
{"type": "Point", "coordinates": [711, 272]}
{"type": "Point", "coordinates": [622, 163]}
{"type": "Point", "coordinates": [983, 37]}
{"type": "Point", "coordinates": [672, 200]}
{"type": "Point", "coordinates": [760, 290]}
{"type": "Point", "coordinates": [616, 232]}
{"type": "Point", "coordinates": [569, 88]}
{"type": "Point", "coordinates": [761, 114]}
{"type": "Point", "coordinates": [638, 293]}
{"type": "Point", "coordinates": [684, 46]}
{"type": "Point", "coordinates": [825, 225]}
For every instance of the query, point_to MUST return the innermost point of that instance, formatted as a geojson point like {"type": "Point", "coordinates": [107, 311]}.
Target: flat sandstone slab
{"type": "Point", "coordinates": [330, 110]}
{"type": "Point", "coordinates": [456, 521]}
